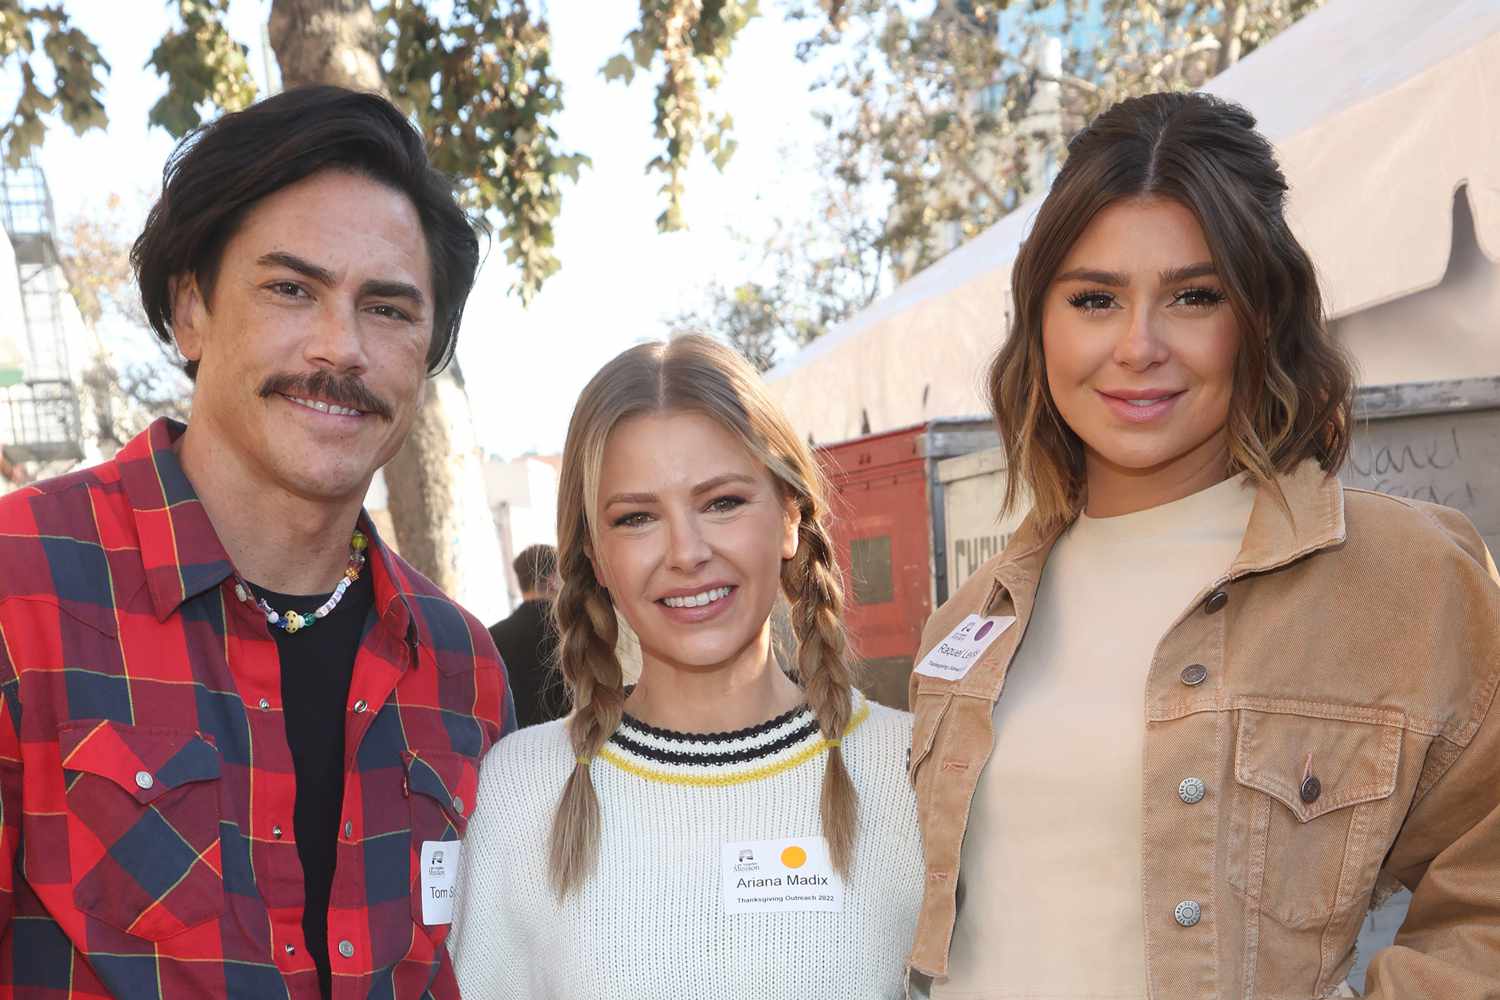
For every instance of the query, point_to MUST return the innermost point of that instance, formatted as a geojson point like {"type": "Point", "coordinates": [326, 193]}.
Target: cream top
{"type": "Point", "coordinates": [653, 921]}
{"type": "Point", "coordinates": [1050, 879]}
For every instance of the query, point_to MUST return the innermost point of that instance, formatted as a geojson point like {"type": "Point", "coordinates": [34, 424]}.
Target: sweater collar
{"type": "Point", "coordinates": [705, 759]}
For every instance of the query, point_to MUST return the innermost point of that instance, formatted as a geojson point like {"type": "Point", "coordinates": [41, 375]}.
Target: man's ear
{"type": "Point", "coordinates": [791, 537]}
{"type": "Point", "coordinates": [188, 314]}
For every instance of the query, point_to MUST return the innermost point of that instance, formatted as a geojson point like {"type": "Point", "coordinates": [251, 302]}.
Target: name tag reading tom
{"type": "Point", "coordinates": [780, 876]}
{"type": "Point", "coordinates": [951, 658]}
{"type": "Point", "coordinates": [439, 880]}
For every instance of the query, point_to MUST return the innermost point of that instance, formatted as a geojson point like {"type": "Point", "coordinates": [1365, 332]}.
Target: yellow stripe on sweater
{"type": "Point", "coordinates": [737, 778]}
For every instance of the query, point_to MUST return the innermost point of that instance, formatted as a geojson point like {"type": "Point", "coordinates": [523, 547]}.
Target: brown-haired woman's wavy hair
{"type": "Point", "coordinates": [699, 375]}
{"type": "Point", "coordinates": [1293, 384]}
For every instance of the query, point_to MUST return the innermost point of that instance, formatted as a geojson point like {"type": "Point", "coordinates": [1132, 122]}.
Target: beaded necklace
{"type": "Point", "coordinates": [295, 621]}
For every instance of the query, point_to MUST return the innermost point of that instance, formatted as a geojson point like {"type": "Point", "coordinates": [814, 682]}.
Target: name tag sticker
{"type": "Point", "coordinates": [952, 658]}
{"type": "Point", "coordinates": [780, 876]}
{"type": "Point", "coordinates": [439, 880]}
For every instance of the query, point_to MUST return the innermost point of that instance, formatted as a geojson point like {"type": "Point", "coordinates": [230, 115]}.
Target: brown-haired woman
{"type": "Point", "coordinates": [719, 830]}
{"type": "Point", "coordinates": [1227, 703]}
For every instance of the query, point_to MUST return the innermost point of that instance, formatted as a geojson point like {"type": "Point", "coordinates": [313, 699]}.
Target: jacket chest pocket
{"type": "Point", "coordinates": [1312, 825]}
{"type": "Point", "coordinates": [440, 787]}
{"type": "Point", "coordinates": [143, 826]}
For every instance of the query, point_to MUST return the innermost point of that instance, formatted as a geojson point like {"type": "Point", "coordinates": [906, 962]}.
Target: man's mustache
{"type": "Point", "coordinates": [345, 390]}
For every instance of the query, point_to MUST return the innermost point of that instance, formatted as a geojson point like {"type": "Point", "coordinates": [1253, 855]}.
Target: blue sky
{"type": "Point", "coordinates": [524, 367]}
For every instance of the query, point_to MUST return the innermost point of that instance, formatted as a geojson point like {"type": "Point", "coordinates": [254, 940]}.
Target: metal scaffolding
{"type": "Point", "coordinates": [45, 422]}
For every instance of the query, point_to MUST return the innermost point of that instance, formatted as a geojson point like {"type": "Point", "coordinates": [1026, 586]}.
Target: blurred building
{"type": "Point", "coordinates": [523, 501]}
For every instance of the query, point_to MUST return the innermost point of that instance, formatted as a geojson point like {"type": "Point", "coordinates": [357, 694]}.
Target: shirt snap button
{"type": "Point", "coordinates": [1188, 912]}
{"type": "Point", "coordinates": [276, 832]}
{"type": "Point", "coordinates": [346, 948]}
{"type": "Point", "coordinates": [348, 829]}
{"type": "Point", "coordinates": [458, 805]}
{"type": "Point", "coordinates": [360, 706]}
{"type": "Point", "coordinates": [1191, 790]}
{"type": "Point", "coordinates": [1311, 789]}
{"type": "Point", "coordinates": [144, 780]}
{"type": "Point", "coordinates": [1194, 674]}
{"type": "Point", "coordinates": [291, 949]}
{"type": "Point", "coordinates": [1216, 601]}
{"type": "Point", "coordinates": [265, 705]}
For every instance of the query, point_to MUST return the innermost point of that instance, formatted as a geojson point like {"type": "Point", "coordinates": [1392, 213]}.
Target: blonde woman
{"type": "Point", "coordinates": [721, 829]}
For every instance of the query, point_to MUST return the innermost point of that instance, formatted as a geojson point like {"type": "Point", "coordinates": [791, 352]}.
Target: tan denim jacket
{"type": "Point", "coordinates": [1364, 631]}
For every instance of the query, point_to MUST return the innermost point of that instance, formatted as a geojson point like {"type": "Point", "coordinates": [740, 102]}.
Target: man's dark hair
{"type": "Point", "coordinates": [535, 566]}
{"type": "Point", "coordinates": [218, 172]}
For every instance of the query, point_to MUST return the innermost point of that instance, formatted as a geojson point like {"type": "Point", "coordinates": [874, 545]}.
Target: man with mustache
{"type": "Point", "coordinates": [239, 736]}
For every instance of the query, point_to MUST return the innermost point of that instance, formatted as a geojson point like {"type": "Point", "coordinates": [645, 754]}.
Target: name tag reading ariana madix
{"type": "Point", "coordinates": [951, 658]}
{"type": "Point", "coordinates": [780, 876]}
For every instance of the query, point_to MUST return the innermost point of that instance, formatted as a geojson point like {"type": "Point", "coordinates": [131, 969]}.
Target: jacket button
{"type": "Point", "coordinates": [1191, 790]}
{"type": "Point", "coordinates": [144, 780]}
{"type": "Point", "coordinates": [264, 704]}
{"type": "Point", "coordinates": [1194, 674]}
{"type": "Point", "coordinates": [1311, 789]}
{"type": "Point", "coordinates": [1216, 601]}
{"type": "Point", "coordinates": [291, 949]}
{"type": "Point", "coordinates": [346, 948]}
{"type": "Point", "coordinates": [276, 831]}
{"type": "Point", "coordinates": [360, 706]}
{"type": "Point", "coordinates": [348, 829]}
{"type": "Point", "coordinates": [1188, 912]}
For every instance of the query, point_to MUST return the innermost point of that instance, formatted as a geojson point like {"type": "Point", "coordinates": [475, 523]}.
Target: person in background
{"type": "Point", "coordinates": [527, 640]}
{"type": "Point", "coordinates": [239, 736]}
{"type": "Point", "coordinates": [1224, 704]}
{"type": "Point", "coordinates": [731, 826]}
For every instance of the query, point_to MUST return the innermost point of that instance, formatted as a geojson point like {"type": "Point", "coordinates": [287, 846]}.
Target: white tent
{"type": "Point", "coordinates": [1382, 111]}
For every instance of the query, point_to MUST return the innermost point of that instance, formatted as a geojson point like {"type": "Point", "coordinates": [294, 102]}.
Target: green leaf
{"type": "Point", "coordinates": [619, 67]}
{"type": "Point", "coordinates": [206, 70]}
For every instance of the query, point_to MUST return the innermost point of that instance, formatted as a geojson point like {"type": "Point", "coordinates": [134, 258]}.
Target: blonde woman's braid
{"type": "Point", "coordinates": [587, 629]}
{"type": "Point", "coordinates": [811, 581]}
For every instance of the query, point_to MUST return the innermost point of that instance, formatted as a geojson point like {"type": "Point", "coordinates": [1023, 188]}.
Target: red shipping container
{"type": "Point", "coordinates": [889, 540]}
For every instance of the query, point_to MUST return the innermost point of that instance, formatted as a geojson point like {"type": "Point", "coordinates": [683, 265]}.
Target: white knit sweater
{"type": "Point", "coordinates": [651, 924]}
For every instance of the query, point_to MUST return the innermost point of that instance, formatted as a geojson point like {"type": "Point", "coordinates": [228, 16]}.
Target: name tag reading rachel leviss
{"type": "Point", "coordinates": [780, 876]}
{"type": "Point", "coordinates": [951, 658]}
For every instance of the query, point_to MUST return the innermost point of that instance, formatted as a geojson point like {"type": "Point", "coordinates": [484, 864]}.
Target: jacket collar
{"type": "Point", "coordinates": [1312, 519]}
{"type": "Point", "coordinates": [181, 551]}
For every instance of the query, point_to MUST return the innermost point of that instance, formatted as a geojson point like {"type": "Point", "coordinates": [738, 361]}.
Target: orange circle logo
{"type": "Point", "coordinates": [794, 857]}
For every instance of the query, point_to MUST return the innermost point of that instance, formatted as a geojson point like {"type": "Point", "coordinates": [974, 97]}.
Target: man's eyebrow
{"type": "Point", "coordinates": [377, 287]}
{"type": "Point", "coordinates": [1114, 279]}
{"type": "Point", "coordinates": [393, 290]}
{"type": "Point", "coordinates": [290, 261]}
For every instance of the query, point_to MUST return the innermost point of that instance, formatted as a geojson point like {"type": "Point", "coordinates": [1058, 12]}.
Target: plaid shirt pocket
{"type": "Point", "coordinates": [441, 786]}
{"type": "Point", "coordinates": [143, 826]}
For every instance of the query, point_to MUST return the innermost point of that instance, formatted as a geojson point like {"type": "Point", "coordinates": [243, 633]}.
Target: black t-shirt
{"type": "Point", "coordinates": [317, 664]}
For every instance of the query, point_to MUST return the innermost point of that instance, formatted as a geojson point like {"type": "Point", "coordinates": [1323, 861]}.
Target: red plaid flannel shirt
{"type": "Point", "coordinates": [146, 785]}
